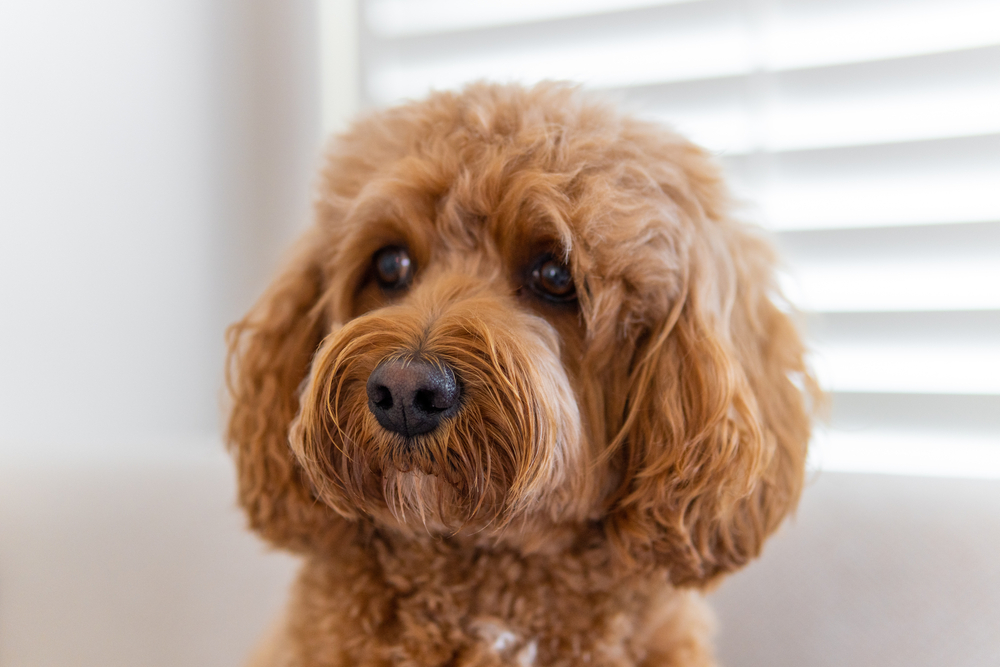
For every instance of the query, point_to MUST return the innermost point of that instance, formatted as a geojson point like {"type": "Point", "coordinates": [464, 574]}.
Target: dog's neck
{"type": "Point", "coordinates": [435, 600]}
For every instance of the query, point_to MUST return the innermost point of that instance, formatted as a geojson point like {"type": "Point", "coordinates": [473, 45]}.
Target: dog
{"type": "Point", "coordinates": [523, 392]}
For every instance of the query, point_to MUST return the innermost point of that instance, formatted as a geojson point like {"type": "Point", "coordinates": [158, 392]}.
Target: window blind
{"type": "Point", "coordinates": [864, 133]}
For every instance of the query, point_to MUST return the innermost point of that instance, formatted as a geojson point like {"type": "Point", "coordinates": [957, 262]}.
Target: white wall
{"type": "Point", "coordinates": [154, 158]}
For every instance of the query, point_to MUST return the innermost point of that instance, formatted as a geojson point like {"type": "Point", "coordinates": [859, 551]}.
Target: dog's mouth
{"type": "Point", "coordinates": [422, 482]}
{"type": "Point", "coordinates": [407, 455]}
{"type": "Point", "coordinates": [430, 457]}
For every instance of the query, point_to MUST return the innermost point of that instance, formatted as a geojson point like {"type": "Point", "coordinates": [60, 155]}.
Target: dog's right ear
{"type": "Point", "coordinates": [270, 351]}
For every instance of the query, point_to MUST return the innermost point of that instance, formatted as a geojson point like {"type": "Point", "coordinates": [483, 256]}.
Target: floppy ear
{"type": "Point", "coordinates": [718, 418]}
{"type": "Point", "coordinates": [270, 351]}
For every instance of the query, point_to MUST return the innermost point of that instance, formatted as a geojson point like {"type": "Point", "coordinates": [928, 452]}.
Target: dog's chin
{"type": "Point", "coordinates": [415, 501]}
{"type": "Point", "coordinates": [427, 483]}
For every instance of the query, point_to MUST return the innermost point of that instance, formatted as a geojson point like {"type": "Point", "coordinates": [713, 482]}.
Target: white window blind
{"type": "Point", "coordinates": [865, 133]}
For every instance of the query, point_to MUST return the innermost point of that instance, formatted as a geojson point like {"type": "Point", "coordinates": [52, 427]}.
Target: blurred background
{"type": "Point", "coordinates": [157, 158]}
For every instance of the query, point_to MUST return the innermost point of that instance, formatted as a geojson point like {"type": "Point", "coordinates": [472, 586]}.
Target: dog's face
{"type": "Point", "coordinates": [519, 312]}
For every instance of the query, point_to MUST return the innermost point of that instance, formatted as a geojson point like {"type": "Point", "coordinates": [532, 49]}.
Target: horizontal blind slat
{"type": "Point", "coordinates": [843, 123]}
{"type": "Point", "coordinates": [908, 453]}
{"type": "Point", "coordinates": [910, 368]}
{"type": "Point", "coordinates": [916, 285]}
{"type": "Point", "coordinates": [399, 18]}
{"type": "Point", "coordinates": [925, 199]}
{"type": "Point", "coordinates": [822, 34]}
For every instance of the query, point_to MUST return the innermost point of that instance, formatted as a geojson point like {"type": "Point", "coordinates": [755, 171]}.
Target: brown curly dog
{"type": "Point", "coordinates": [522, 393]}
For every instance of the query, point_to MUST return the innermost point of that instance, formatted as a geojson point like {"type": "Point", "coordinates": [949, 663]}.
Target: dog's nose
{"type": "Point", "coordinates": [412, 396]}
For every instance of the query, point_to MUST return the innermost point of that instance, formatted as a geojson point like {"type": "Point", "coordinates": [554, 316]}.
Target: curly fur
{"type": "Point", "coordinates": [610, 457]}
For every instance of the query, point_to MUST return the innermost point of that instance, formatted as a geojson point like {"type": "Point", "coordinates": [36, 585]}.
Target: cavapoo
{"type": "Point", "coordinates": [522, 393]}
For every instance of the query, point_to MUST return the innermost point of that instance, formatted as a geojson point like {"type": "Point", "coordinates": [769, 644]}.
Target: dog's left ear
{"type": "Point", "coordinates": [714, 437]}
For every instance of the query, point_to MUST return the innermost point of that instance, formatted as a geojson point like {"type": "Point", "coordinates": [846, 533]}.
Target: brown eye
{"type": "Point", "coordinates": [551, 280]}
{"type": "Point", "coordinates": [393, 268]}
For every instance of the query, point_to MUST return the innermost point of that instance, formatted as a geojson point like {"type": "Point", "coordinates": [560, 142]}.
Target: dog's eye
{"type": "Point", "coordinates": [551, 280]}
{"type": "Point", "coordinates": [393, 268]}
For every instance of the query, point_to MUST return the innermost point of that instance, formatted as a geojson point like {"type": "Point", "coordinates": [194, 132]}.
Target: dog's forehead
{"type": "Point", "coordinates": [509, 197]}
{"type": "Point", "coordinates": [617, 196]}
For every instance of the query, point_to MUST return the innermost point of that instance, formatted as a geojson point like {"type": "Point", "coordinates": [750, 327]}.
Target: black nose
{"type": "Point", "coordinates": [412, 396]}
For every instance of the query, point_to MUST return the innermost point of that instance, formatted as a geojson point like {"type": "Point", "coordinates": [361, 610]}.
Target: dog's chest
{"type": "Point", "coordinates": [436, 607]}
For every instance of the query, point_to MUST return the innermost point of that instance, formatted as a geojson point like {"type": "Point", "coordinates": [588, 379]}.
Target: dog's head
{"type": "Point", "coordinates": [517, 312]}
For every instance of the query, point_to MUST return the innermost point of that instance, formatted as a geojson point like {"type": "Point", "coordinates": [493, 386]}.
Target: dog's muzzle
{"type": "Point", "coordinates": [412, 396]}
